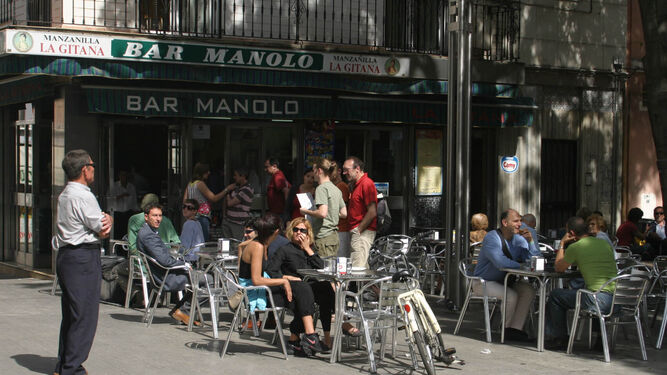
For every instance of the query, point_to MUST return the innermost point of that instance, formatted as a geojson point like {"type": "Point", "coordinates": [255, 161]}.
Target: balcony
{"type": "Point", "coordinates": [391, 25]}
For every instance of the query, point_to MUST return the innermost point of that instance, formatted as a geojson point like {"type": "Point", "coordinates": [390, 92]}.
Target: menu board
{"type": "Point", "coordinates": [428, 174]}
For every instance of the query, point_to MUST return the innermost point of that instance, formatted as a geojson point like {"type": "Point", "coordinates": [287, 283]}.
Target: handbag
{"type": "Point", "coordinates": [235, 300]}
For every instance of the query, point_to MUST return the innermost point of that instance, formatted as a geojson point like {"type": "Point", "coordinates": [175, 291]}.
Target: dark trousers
{"type": "Point", "coordinates": [79, 275]}
{"type": "Point", "coordinates": [301, 304]}
{"type": "Point", "coordinates": [325, 297]}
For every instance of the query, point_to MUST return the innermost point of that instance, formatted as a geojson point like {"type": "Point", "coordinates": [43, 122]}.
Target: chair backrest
{"type": "Point", "coordinates": [467, 267]}
{"type": "Point", "coordinates": [630, 289]}
{"type": "Point", "coordinates": [546, 248]}
{"type": "Point", "coordinates": [395, 244]}
{"type": "Point", "coordinates": [626, 262]}
{"type": "Point", "coordinates": [474, 250]}
{"type": "Point", "coordinates": [623, 251]}
{"type": "Point", "coordinates": [660, 264]}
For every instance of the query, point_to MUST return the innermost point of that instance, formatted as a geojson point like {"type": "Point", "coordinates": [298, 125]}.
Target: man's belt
{"type": "Point", "coordinates": [85, 245]}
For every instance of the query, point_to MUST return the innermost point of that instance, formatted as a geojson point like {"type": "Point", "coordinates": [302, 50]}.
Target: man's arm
{"type": "Point", "coordinates": [561, 265]}
{"type": "Point", "coordinates": [493, 249]}
{"type": "Point", "coordinates": [342, 214]}
{"type": "Point", "coordinates": [321, 212]}
{"type": "Point", "coordinates": [152, 244]}
{"type": "Point", "coordinates": [371, 213]}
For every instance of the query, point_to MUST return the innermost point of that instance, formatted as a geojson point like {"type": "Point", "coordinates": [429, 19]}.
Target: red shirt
{"type": "Point", "coordinates": [274, 193]}
{"type": "Point", "coordinates": [624, 233]}
{"type": "Point", "coordinates": [364, 193]}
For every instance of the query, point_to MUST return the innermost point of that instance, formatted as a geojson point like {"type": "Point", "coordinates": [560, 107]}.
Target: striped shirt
{"type": "Point", "coordinates": [240, 212]}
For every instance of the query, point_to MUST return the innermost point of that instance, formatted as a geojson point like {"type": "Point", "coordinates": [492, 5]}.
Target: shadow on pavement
{"type": "Point", "coordinates": [36, 363]}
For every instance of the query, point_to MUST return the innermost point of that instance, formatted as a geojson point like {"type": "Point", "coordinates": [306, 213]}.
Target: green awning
{"type": "Point", "coordinates": [131, 70]}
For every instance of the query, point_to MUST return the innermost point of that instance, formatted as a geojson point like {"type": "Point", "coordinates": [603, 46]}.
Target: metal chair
{"type": "Point", "coordinates": [377, 316]}
{"type": "Point", "coordinates": [203, 285]}
{"type": "Point", "coordinates": [467, 267]}
{"type": "Point", "coordinates": [231, 287]}
{"type": "Point", "coordinates": [474, 249]}
{"type": "Point", "coordinates": [627, 298]}
{"type": "Point", "coordinates": [159, 284]}
{"type": "Point", "coordinates": [659, 290]}
{"type": "Point", "coordinates": [136, 271]}
{"type": "Point", "coordinates": [54, 247]}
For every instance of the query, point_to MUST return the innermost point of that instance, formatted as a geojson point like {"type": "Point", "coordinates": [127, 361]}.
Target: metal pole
{"type": "Point", "coordinates": [452, 51]}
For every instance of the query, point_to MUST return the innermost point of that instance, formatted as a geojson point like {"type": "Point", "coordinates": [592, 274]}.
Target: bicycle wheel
{"type": "Point", "coordinates": [424, 352]}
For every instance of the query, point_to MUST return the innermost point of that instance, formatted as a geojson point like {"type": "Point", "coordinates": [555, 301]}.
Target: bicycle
{"type": "Point", "coordinates": [421, 326]}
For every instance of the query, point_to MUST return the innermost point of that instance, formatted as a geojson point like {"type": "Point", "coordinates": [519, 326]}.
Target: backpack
{"type": "Point", "coordinates": [383, 218]}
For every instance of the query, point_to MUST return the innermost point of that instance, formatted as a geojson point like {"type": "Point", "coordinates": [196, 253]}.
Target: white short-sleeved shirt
{"type": "Point", "coordinates": [79, 215]}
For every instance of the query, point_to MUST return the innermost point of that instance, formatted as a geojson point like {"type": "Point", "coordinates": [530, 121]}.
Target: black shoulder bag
{"type": "Point", "coordinates": [512, 278]}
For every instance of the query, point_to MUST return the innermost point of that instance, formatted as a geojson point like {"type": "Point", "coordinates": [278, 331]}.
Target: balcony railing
{"type": "Point", "coordinates": [394, 25]}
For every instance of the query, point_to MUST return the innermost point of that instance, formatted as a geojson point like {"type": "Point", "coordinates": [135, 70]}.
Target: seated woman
{"type": "Point", "coordinates": [191, 234]}
{"type": "Point", "coordinates": [299, 254]}
{"type": "Point", "coordinates": [295, 295]}
{"type": "Point", "coordinates": [479, 223]}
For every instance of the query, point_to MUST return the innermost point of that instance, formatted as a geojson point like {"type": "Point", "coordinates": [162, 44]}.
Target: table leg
{"type": "Point", "coordinates": [542, 307]}
{"type": "Point", "coordinates": [338, 324]}
{"type": "Point", "coordinates": [502, 311]}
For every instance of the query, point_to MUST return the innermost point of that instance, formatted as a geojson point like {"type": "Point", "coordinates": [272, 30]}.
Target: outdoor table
{"type": "Point", "coordinates": [543, 277]}
{"type": "Point", "coordinates": [340, 281]}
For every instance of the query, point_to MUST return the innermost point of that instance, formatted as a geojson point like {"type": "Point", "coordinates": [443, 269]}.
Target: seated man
{"type": "Point", "coordinates": [150, 243]}
{"type": "Point", "coordinates": [528, 225]}
{"type": "Point", "coordinates": [505, 248]}
{"type": "Point", "coordinates": [629, 235]}
{"type": "Point", "coordinates": [192, 233]}
{"type": "Point", "coordinates": [656, 231]}
{"type": "Point", "coordinates": [595, 259]}
{"type": "Point", "coordinates": [166, 230]}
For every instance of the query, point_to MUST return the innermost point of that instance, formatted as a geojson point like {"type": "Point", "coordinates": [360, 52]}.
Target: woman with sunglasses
{"type": "Point", "coordinates": [191, 234]}
{"type": "Point", "coordinates": [299, 254]}
{"type": "Point", "coordinates": [295, 295]}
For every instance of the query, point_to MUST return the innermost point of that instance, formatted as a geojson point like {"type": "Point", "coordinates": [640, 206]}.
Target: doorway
{"type": "Point", "coordinates": [383, 151]}
{"type": "Point", "coordinates": [559, 183]}
{"type": "Point", "coordinates": [140, 151]}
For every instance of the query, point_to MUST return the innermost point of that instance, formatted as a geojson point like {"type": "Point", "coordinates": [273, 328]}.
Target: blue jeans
{"type": "Point", "coordinates": [205, 224]}
{"type": "Point", "coordinates": [562, 300]}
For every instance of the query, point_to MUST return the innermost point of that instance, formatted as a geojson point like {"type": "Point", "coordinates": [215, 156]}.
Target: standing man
{"type": "Point", "coordinates": [124, 203]}
{"type": "Point", "coordinates": [276, 192]}
{"type": "Point", "coordinates": [362, 211]}
{"type": "Point", "coordinates": [238, 201]}
{"type": "Point", "coordinates": [81, 224]}
{"type": "Point", "coordinates": [595, 259]}
{"type": "Point", "coordinates": [506, 248]}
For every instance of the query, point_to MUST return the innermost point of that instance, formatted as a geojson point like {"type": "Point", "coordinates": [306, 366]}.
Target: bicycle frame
{"type": "Point", "coordinates": [413, 304]}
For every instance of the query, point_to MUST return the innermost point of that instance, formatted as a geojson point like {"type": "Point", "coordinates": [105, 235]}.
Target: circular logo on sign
{"type": "Point", "coordinates": [22, 41]}
{"type": "Point", "coordinates": [509, 164]}
{"type": "Point", "coordinates": [392, 66]}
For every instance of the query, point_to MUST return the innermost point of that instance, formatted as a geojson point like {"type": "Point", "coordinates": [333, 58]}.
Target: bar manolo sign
{"type": "Point", "coordinates": [108, 47]}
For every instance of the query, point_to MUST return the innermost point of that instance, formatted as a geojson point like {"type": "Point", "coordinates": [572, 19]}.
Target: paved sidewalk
{"type": "Point", "coordinates": [123, 345]}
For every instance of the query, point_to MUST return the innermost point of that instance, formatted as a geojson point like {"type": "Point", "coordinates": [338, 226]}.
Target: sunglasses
{"type": "Point", "coordinates": [302, 230]}
{"type": "Point", "coordinates": [90, 165]}
{"type": "Point", "coordinates": [660, 213]}
{"type": "Point", "coordinates": [188, 207]}
{"type": "Point", "coordinates": [248, 231]}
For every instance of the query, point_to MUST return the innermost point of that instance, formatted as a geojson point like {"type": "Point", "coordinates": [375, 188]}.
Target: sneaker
{"type": "Point", "coordinates": [513, 334]}
{"type": "Point", "coordinates": [311, 344]}
{"type": "Point", "coordinates": [294, 348]}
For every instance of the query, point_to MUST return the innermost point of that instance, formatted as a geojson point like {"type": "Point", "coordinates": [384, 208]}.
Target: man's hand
{"type": "Point", "coordinates": [567, 239]}
{"type": "Point", "coordinates": [230, 187]}
{"type": "Point", "coordinates": [188, 266]}
{"type": "Point", "coordinates": [526, 234]}
{"type": "Point", "coordinates": [107, 223]}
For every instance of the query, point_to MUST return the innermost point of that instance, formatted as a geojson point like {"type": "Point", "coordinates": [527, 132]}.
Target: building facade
{"type": "Point", "coordinates": [152, 87]}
